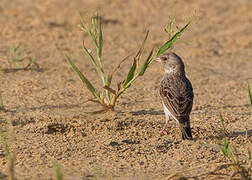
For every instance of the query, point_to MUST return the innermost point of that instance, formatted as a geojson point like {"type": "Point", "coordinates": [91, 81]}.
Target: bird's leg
{"type": "Point", "coordinates": [163, 130]}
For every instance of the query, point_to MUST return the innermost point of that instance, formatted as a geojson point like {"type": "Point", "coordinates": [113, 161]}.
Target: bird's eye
{"type": "Point", "coordinates": [164, 58]}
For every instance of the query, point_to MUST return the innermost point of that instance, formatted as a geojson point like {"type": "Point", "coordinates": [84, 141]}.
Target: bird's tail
{"type": "Point", "coordinates": [186, 129]}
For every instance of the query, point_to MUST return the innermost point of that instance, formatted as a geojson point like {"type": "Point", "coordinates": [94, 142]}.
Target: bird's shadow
{"type": "Point", "coordinates": [221, 134]}
{"type": "Point", "coordinates": [247, 133]}
{"type": "Point", "coordinates": [146, 112]}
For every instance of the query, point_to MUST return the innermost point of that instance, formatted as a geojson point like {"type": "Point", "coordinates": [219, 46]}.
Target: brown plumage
{"type": "Point", "coordinates": [176, 93]}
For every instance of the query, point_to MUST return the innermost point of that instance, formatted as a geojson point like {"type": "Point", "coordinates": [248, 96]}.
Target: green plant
{"type": "Point", "coordinates": [15, 58]}
{"type": "Point", "coordinates": [58, 172]}
{"type": "Point", "coordinates": [245, 171]}
{"type": "Point", "coordinates": [250, 96]}
{"type": "Point", "coordinates": [224, 130]}
{"type": "Point", "coordinates": [108, 97]}
{"type": "Point", "coordinates": [230, 152]}
{"type": "Point", "coordinates": [10, 155]}
{"type": "Point", "coordinates": [172, 40]}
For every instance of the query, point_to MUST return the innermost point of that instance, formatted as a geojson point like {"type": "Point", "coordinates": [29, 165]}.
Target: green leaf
{"type": "Point", "coordinates": [140, 51]}
{"type": "Point", "coordinates": [109, 79]}
{"type": "Point", "coordinates": [97, 68]}
{"type": "Point", "coordinates": [93, 37]}
{"type": "Point", "coordinates": [110, 76]}
{"type": "Point", "coordinates": [16, 58]}
{"type": "Point", "coordinates": [84, 79]}
{"type": "Point", "coordinates": [83, 25]}
{"type": "Point", "coordinates": [12, 50]}
{"type": "Point", "coordinates": [249, 155]}
{"type": "Point", "coordinates": [131, 73]}
{"type": "Point", "coordinates": [93, 28]}
{"type": "Point", "coordinates": [145, 64]}
{"type": "Point", "coordinates": [58, 172]}
{"type": "Point", "coordinates": [225, 132]}
{"type": "Point", "coordinates": [33, 59]}
{"type": "Point", "coordinates": [250, 96]}
{"type": "Point", "coordinates": [142, 70]}
{"type": "Point", "coordinates": [227, 148]}
{"type": "Point", "coordinates": [90, 56]}
{"type": "Point", "coordinates": [100, 38]}
{"type": "Point", "coordinates": [169, 43]}
{"type": "Point", "coordinates": [168, 27]}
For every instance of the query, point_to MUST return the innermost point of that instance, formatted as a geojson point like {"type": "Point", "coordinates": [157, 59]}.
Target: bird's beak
{"type": "Point", "coordinates": [158, 59]}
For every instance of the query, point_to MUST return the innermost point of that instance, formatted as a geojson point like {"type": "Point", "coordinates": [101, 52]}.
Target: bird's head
{"type": "Point", "coordinates": [171, 63]}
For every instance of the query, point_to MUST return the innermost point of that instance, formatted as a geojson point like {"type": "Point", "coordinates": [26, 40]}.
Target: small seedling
{"type": "Point", "coordinates": [245, 171]}
{"type": "Point", "coordinates": [250, 97]}
{"type": "Point", "coordinates": [58, 172]}
{"type": "Point", "coordinates": [236, 164]}
{"type": "Point", "coordinates": [15, 56]}
{"type": "Point", "coordinates": [11, 156]}
{"type": "Point", "coordinates": [250, 159]}
{"type": "Point", "coordinates": [108, 97]}
{"type": "Point", "coordinates": [17, 59]}
{"type": "Point", "coordinates": [224, 130]}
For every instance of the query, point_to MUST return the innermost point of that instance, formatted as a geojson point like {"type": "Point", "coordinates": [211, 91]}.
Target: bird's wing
{"type": "Point", "coordinates": [177, 97]}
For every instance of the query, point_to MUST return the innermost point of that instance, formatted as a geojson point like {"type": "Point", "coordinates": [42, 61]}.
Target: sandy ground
{"type": "Point", "coordinates": [48, 121]}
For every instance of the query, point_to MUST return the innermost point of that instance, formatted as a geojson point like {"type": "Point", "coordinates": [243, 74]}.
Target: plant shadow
{"type": "Point", "coordinates": [13, 70]}
{"type": "Point", "coordinates": [43, 107]}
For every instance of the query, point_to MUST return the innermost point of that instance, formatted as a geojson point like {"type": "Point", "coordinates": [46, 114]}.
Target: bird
{"type": "Point", "coordinates": [176, 93]}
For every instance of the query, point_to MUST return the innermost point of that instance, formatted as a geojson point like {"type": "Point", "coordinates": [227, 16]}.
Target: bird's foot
{"type": "Point", "coordinates": [163, 130]}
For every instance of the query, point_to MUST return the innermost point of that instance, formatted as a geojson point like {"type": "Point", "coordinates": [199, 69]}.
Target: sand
{"type": "Point", "coordinates": [46, 117]}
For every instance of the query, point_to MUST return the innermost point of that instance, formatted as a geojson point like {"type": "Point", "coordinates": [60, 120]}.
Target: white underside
{"type": "Point", "coordinates": [167, 114]}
